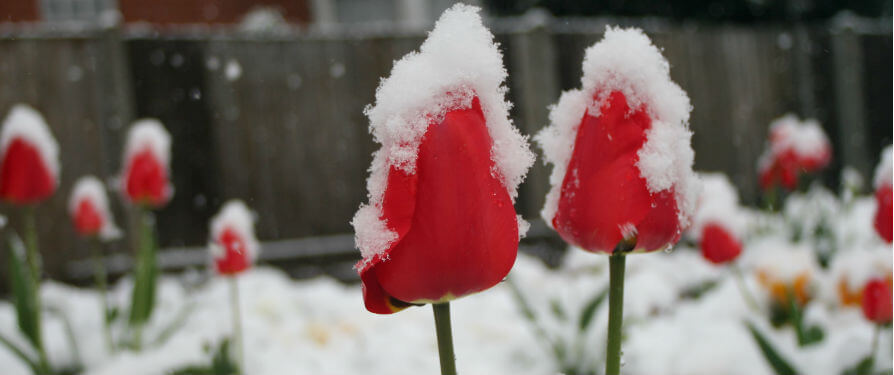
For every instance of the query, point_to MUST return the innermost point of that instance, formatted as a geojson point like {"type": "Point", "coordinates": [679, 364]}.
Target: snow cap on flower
{"type": "Point", "coordinates": [29, 168]}
{"type": "Point", "coordinates": [233, 244]}
{"type": "Point", "coordinates": [147, 154]}
{"type": "Point", "coordinates": [624, 71]}
{"type": "Point", "coordinates": [786, 267]}
{"type": "Point", "coordinates": [806, 139]}
{"type": "Point", "coordinates": [718, 223]}
{"type": "Point", "coordinates": [458, 61]}
{"type": "Point", "coordinates": [88, 207]}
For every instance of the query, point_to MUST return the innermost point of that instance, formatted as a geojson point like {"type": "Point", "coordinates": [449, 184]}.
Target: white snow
{"type": "Point", "coordinates": [25, 123]}
{"type": "Point", "coordinates": [806, 138]}
{"type": "Point", "coordinates": [232, 70]}
{"type": "Point", "coordinates": [457, 61]}
{"type": "Point", "coordinates": [91, 189]}
{"type": "Point", "coordinates": [854, 267]}
{"type": "Point", "coordinates": [625, 60]}
{"type": "Point", "coordinates": [781, 260]}
{"type": "Point", "coordinates": [235, 216]}
{"type": "Point", "coordinates": [883, 170]}
{"type": "Point", "coordinates": [148, 134]}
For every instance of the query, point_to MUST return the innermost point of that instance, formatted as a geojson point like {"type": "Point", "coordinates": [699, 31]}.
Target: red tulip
{"type": "Point", "coordinates": [877, 306]}
{"type": "Point", "coordinates": [778, 169]}
{"type": "Point", "coordinates": [233, 243]}
{"type": "Point", "coordinates": [146, 175]}
{"type": "Point", "coordinates": [29, 167]}
{"type": "Point", "coordinates": [457, 231]}
{"type": "Point", "coordinates": [795, 147]}
{"type": "Point", "coordinates": [883, 197]}
{"type": "Point", "coordinates": [89, 210]}
{"type": "Point", "coordinates": [440, 222]}
{"type": "Point", "coordinates": [718, 244]}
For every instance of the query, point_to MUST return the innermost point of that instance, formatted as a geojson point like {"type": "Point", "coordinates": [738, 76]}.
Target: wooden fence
{"type": "Point", "coordinates": [276, 119]}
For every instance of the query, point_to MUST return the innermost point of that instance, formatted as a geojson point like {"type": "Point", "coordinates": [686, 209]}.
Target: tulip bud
{"type": "Point", "coordinates": [718, 220]}
{"type": "Point", "coordinates": [795, 146]}
{"type": "Point", "coordinates": [877, 306]}
{"type": "Point", "coordinates": [233, 244]}
{"type": "Point", "coordinates": [147, 153]}
{"type": "Point", "coordinates": [29, 168]}
{"type": "Point", "coordinates": [440, 222]}
{"type": "Point", "coordinates": [89, 210]}
{"type": "Point", "coordinates": [620, 149]}
{"type": "Point", "coordinates": [883, 196]}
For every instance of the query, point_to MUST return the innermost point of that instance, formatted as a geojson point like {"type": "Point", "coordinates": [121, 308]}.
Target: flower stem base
{"type": "Point", "coordinates": [615, 313]}
{"type": "Point", "coordinates": [445, 338]}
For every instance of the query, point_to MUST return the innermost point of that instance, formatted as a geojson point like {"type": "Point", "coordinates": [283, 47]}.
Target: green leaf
{"type": "Point", "coordinates": [861, 368]}
{"type": "Point", "coordinates": [35, 367]}
{"type": "Point", "coordinates": [24, 296]}
{"type": "Point", "coordinates": [589, 310]}
{"type": "Point", "coordinates": [780, 365]}
{"type": "Point", "coordinates": [174, 325]}
{"type": "Point", "coordinates": [112, 314]}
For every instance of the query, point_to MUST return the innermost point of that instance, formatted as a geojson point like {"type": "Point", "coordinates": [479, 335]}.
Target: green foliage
{"type": "Point", "coordinates": [221, 363]}
{"type": "Point", "coordinates": [24, 295]}
{"type": "Point", "coordinates": [863, 367]}
{"type": "Point", "coordinates": [32, 363]}
{"type": "Point", "coordinates": [589, 310]}
{"type": "Point", "coordinates": [145, 275]}
{"type": "Point", "coordinates": [780, 365]}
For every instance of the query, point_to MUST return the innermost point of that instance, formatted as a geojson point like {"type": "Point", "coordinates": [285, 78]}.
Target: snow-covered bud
{"type": "Point", "coordinates": [795, 147]}
{"type": "Point", "coordinates": [440, 222]}
{"type": "Point", "coordinates": [718, 222]}
{"type": "Point", "coordinates": [786, 273]}
{"type": "Point", "coordinates": [620, 149]}
{"type": "Point", "coordinates": [883, 195]}
{"type": "Point", "coordinates": [29, 168]}
{"type": "Point", "coordinates": [88, 207]}
{"type": "Point", "coordinates": [147, 152]}
{"type": "Point", "coordinates": [233, 244]}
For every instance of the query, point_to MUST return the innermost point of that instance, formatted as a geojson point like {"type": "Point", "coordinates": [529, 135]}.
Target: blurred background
{"type": "Point", "coordinates": [264, 99]}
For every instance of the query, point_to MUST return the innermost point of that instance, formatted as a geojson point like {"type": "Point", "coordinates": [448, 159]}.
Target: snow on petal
{"type": "Point", "coordinates": [235, 216]}
{"type": "Point", "coordinates": [25, 123]}
{"type": "Point", "coordinates": [883, 171]}
{"type": "Point", "coordinates": [92, 190]}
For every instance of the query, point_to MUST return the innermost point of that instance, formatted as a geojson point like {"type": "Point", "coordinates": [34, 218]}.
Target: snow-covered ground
{"type": "Point", "coordinates": [319, 326]}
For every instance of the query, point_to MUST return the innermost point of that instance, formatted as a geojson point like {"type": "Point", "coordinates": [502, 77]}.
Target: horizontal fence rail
{"type": "Point", "coordinates": [276, 119]}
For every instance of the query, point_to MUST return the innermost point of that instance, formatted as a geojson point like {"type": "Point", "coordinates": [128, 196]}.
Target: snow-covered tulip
{"type": "Point", "coordinates": [883, 195]}
{"type": "Point", "coordinates": [787, 273]}
{"type": "Point", "coordinates": [145, 184]}
{"type": "Point", "coordinates": [440, 222]}
{"type": "Point", "coordinates": [850, 271]}
{"type": "Point", "coordinates": [146, 176]}
{"type": "Point", "coordinates": [234, 248]}
{"type": "Point", "coordinates": [233, 244]}
{"type": "Point", "coordinates": [88, 207]}
{"type": "Point", "coordinates": [877, 304]}
{"type": "Point", "coordinates": [795, 147]}
{"type": "Point", "coordinates": [622, 176]}
{"type": "Point", "coordinates": [718, 221]}
{"type": "Point", "coordinates": [29, 168]}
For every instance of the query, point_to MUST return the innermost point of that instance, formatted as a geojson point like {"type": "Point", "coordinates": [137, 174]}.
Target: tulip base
{"type": "Point", "coordinates": [445, 338]}
{"type": "Point", "coordinates": [615, 313]}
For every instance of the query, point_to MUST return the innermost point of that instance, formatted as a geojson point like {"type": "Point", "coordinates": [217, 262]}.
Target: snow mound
{"type": "Point", "coordinates": [883, 170]}
{"type": "Point", "coordinates": [92, 189]}
{"type": "Point", "coordinates": [625, 60]}
{"type": "Point", "coordinates": [25, 123]}
{"type": "Point", "coordinates": [235, 216]}
{"type": "Point", "coordinates": [458, 60]}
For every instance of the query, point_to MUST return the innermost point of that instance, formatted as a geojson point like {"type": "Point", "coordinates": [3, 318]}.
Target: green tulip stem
{"type": "Point", "coordinates": [445, 338]}
{"type": "Point", "coordinates": [615, 313]}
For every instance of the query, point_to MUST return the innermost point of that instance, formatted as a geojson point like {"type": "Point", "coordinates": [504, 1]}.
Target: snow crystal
{"type": "Point", "coordinates": [883, 170]}
{"type": "Point", "coordinates": [625, 60]}
{"type": "Point", "coordinates": [25, 123]}
{"type": "Point", "coordinates": [235, 216]}
{"type": "Point", "coordinates": [91, 189]}
{"type": "Point", "coordinates": [232, 70]}
{"type": "Point", "coordinates": [457, 61]}
{"type": "Point", "coordinates": [718, 203]}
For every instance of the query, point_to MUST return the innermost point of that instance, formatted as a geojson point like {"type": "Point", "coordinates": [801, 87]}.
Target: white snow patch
{"type": "Point", "coordinates": [625, 60]}
{"type": "Point", "coordinates": [25, 123]}
{"type": "Point", "coordinates": [883, 170]}
{"type": "Point", "coordinates": [458, 60]}
{"type": "Point", "coordinates": [235, 216]}
{"type": "Point", "coordinates": [91, 189]}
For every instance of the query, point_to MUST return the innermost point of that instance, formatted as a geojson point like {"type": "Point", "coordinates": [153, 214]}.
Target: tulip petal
{"type": "Point", "coordinates": [24, 178]}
